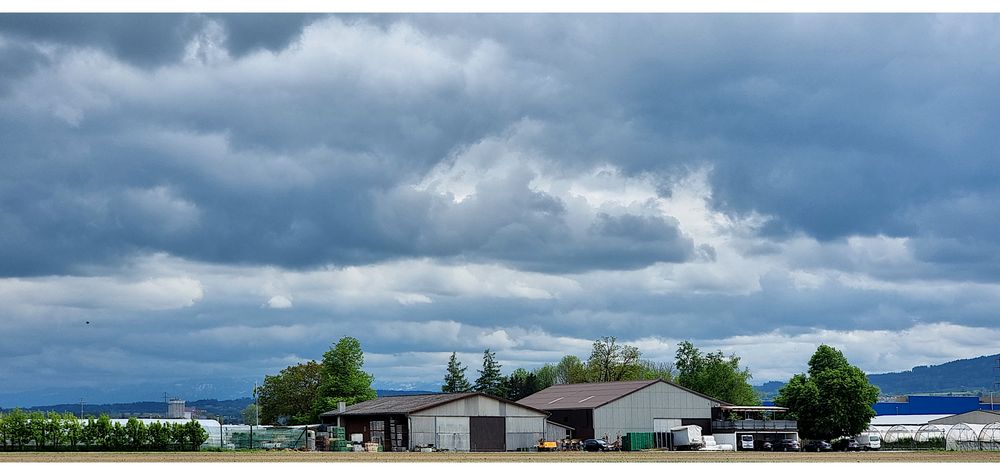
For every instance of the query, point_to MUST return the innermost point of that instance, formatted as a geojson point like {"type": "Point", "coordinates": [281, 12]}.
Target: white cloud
{"type": "Point", "coordinates": [279, 302]}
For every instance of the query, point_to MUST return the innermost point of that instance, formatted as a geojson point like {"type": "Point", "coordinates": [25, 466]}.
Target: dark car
{"type": "Point", "coordinates": [847, 445]}
{"type": "Point", "coordinates": [786, 445]}
{"type": "Point", "coordinates": [761, 445]}
{"type": "Point", "coordinates": [817, 446]}
{"type": "Point", "coordinates": [595, 445]}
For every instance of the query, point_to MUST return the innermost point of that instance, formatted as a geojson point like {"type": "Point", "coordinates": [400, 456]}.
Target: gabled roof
{"type": "Point", "coordinates": [591, 395]}
{"type": "Point", "coordinates": [411, 404]}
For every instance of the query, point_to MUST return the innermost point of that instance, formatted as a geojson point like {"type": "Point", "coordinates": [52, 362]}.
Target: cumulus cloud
{"type": "Point", "coordinates": [529, 183]}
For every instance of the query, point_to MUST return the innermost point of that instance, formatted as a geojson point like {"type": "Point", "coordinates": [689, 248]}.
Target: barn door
{"type": "Point", "coordinates": [487, 434]}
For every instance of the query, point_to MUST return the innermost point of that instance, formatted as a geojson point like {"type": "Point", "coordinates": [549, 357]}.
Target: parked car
{"type": "Point", "coordinates": [595, 445]}
{"type": "Point", "coordinates": [869, 441]}
{"type": "Point", "coordinates": [817, 446]}
{"type": "Point", "coordinates": [786, 445]}
{"type": "Point", "coordinates": [761, 445]}
{"type": "Point", "coordinates": [847, 445]}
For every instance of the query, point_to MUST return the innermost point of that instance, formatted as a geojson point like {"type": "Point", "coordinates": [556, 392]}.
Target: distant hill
{"type": "Point", "coordinates": [229, 409]}
{"type": "Point", "coordinates": [974, 375]}
{"type": "Point", "coordinates": [769, 389]}
{"type": "Point", "coordinates": [971, 376]}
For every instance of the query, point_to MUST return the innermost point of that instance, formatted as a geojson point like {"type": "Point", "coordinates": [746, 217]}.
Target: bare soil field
{"type": "Point", "coordinates": [651, 456]}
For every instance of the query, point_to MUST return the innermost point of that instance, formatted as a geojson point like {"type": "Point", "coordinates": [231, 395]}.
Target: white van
{"type": "Point", "coordinates": [869, 441]}
{"type": "Point", "coordinates": [746, 442]}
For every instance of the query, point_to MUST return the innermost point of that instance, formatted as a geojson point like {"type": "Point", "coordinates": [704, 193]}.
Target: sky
{"type": "Point", "coordinates": [191, 202]}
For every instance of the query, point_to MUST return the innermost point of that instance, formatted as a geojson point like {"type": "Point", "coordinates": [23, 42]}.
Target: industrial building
{"type": "Point", "coordinates": [474, 422]}
{"type": "Point", "coordinates": [611, 410]}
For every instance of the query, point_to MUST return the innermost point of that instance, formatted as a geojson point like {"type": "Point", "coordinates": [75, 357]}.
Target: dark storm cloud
{"type": "Point", "coordinates": [152, 40]}
{"type": "Point", "coordinates": [292, 143]}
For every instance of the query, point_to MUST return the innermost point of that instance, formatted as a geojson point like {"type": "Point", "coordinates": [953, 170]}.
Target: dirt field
{"type": "Point", "coordinates": [709, 457]}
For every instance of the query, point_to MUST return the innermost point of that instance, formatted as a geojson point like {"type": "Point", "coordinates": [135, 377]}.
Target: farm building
{"type": "Point", "coordinates": [462, 421]}
{"type": "Point", "coordinates": [599, 410]}
{"type": "Point", "coordinates": [971, 417]}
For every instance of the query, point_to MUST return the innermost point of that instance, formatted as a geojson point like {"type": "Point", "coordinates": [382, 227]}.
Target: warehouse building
{"type": "Point", "coordinates": [462, 421]}
{"type": "Point", "coordinates": [599, 410]}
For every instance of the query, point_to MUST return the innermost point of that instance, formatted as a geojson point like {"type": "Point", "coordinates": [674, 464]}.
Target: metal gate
{"type": "Point", "coordinates": [487, 434]}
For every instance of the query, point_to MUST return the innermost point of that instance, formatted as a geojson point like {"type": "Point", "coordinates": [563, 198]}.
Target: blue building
{"type": "Point", "coordinates": [930, 405]}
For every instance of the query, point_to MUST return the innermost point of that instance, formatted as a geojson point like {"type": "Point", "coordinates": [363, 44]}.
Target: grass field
{"type": "Point", "coordinates": [316, 457]}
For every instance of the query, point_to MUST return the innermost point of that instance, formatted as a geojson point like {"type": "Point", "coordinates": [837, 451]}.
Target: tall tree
{"type": "Point", "coordinates": [656, 370]}
{"type": "Point", "coordinates": [546, 376]}
{"type": "Point", "coordinates": [835, 399]}
{"type": "Point", "coordinates": [454, 379]}
{"type": "Point", "coordinates": [570, 370]}
{"type": "Point", "coordinates": [611, 361]}
{"type": "Point", "coordinates": [343, 379]}
{"type": "Point", "coordinates": [490, 381]}
{"type": "Point", "coordinates": [251, 414]}
{"type": "Point", "coordinates": [715, 375]}
{"type": "Point", "coordinates": [522, 383]}
{"type": "Point", "coordinates": [290, 396]}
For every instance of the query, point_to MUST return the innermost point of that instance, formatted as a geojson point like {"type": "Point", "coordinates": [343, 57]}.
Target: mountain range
{"type": "Point", "coordinates": [971, 376]}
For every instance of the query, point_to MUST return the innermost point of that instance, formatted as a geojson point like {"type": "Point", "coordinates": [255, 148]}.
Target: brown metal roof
{"type": "Point", "coordinates": [591, 395]}
{"type": "Point", "coordinates": [583, 395]}
{"type": "Point", "coordinates": [411, 404]}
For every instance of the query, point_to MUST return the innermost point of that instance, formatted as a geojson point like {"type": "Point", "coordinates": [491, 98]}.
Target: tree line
{"type": "Point", "coordinates": [832, 400]}
{"type": "Point", "coordinates": [712, 374]}
{"type": "Point", "coordinates": [20, 430]}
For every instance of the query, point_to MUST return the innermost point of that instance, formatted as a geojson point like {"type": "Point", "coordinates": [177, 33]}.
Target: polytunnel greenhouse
{"type": "Point", "coordinates": [989, 437]}
{"type": "Point", "coordinates": [898, 437]}
{"type": "Point", "coordinates": [929, 436]}
{"type": "Point", "coordinates": [963, 437]}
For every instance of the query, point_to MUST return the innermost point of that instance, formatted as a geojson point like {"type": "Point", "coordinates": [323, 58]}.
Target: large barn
{"type": "Point", "coordinates": [462, 421]}
{"type": "Point", "coordinates": [598, 410]}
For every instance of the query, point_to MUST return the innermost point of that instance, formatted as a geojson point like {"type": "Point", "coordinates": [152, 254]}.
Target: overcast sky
{"type": "Point", "coordinates": [224, 196]}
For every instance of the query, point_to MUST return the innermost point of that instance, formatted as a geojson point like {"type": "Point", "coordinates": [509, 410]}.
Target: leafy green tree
{"type": "Point", "coordinates": [835, 399]}
{"type": "Point", "coordinates": [103, 432]}
{"type": "Point", "coordinates": [454, 378]}
{"type": "Point", "coordinates": [291, 395]}
{"type": "Point", "coordinates": [343, 379]}
{"type": "Point", "coordinates": [611, 361]}
{"type": "Point", "coordinates": [546, 376]}
{"type": "Point", "coordinates": [72, 430]}
{"type": "Point", "coordinates": [135, 434]}
{"type": "Point", "coordinates": [195, 434]}
{"type": "Point", "coordinates": [88, 434]}
{"type": "Point", "coordinates": [178, 436]}
{"type": "Point", "coordinates": [655, 370]}
{"type": "Point", "coordinates": [521, 383]}
{"type": "Point", "coordinates": [570, 370]}
{"type": "Point", "coordinates": [119, 439]}
{"type": "Point", "coordinates": [715, 375]}
{"type": "Point", "coordinates": [17, 428]}
{"type": "Point", "coordinates": [38, 425]}
{"type": "Point", "coordinates": [159, 436]}
{"type": "Point", "coordinates": [250, 414]}
{"type": "Point", "coordinates": [490, 381]}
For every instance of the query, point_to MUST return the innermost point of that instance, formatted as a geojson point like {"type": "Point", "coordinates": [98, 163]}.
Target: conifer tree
{"type": "Point", "coordinates": [454, 379]}
{"type": "Point", "coordinates": [490, 380]}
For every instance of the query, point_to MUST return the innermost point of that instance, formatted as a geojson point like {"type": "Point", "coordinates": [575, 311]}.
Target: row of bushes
{"type": "Point", "coordinates": [20, 430]}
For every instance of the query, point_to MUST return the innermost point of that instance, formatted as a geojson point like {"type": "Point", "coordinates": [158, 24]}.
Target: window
{"type": "Point", "coordinates": [377, 432]}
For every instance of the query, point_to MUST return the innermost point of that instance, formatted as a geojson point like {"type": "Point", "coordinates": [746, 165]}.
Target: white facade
{"type": "Point", "coordinates": [447, 426]}
{"type": "Point", "coordinates": [657, 406]}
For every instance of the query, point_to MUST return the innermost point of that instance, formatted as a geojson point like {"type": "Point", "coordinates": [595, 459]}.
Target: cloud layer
{"type": "Point", "coordinates": [229, 194]}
